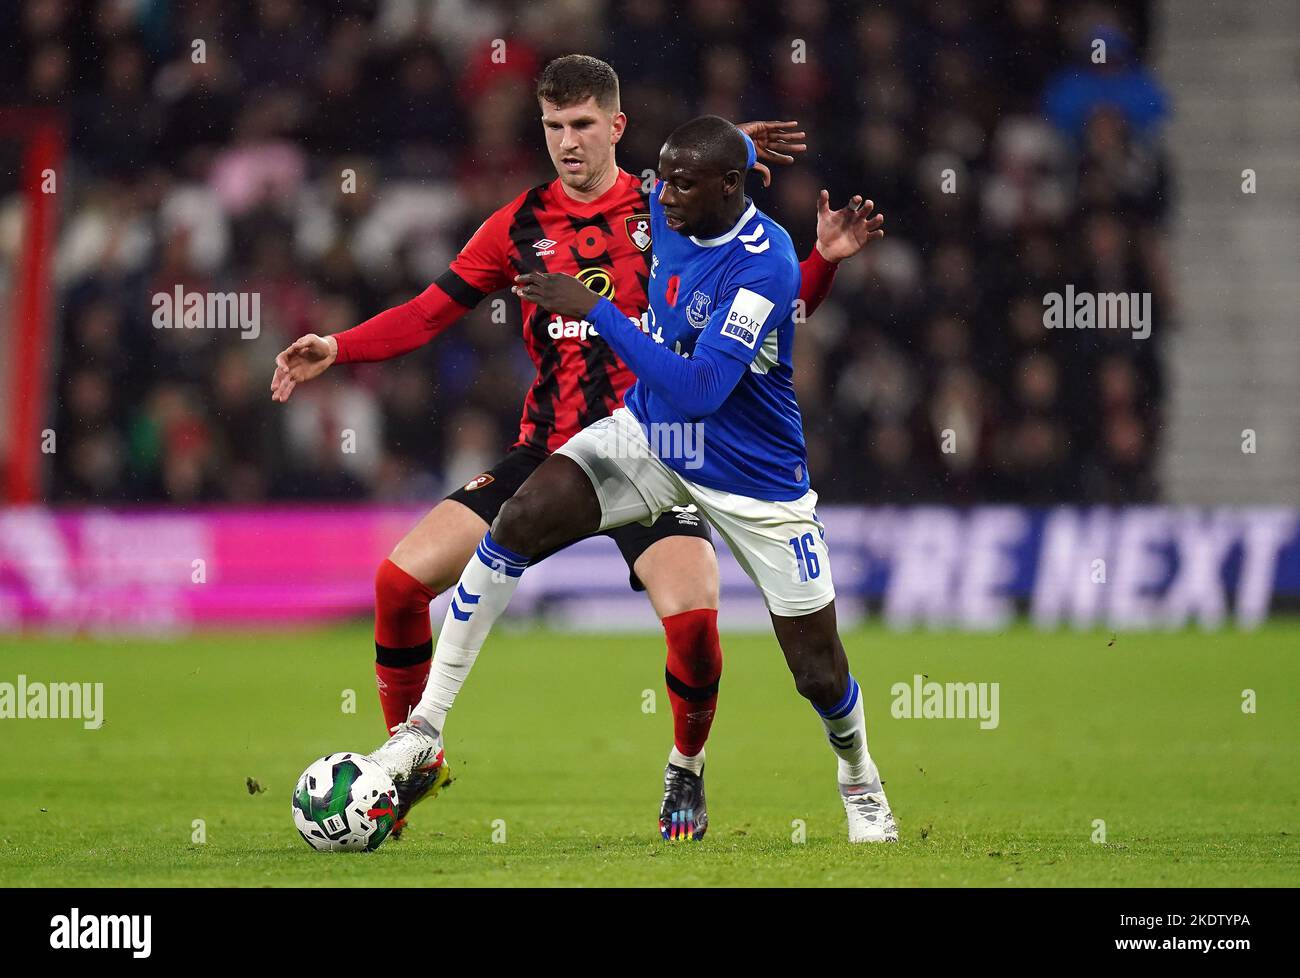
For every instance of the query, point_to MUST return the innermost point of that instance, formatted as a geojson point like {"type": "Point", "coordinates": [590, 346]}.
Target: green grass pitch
{"type": "Point", "coordinates": [552, 746]}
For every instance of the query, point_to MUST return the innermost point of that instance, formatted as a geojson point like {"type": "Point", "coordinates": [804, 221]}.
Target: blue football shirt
{"type": "Point", "coordinates": [736, 295]}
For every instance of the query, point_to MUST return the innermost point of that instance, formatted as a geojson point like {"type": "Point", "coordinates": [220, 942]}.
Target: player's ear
{"type": "Point", "coordinates": [731, 182]}
{"type": "Point", "coordinates": [617, 125]}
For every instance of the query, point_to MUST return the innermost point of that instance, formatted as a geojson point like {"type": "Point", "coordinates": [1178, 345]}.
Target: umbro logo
{"type": "Point", "coordinates": [686, 515]}
{"type": "Point", "coordinates": [544, 244]}
{"type": "Point", "coordinates": [750, 241]}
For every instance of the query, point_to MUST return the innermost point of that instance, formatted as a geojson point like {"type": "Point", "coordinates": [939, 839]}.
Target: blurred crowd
{"type": "Point", "coordinates": [210, 145]}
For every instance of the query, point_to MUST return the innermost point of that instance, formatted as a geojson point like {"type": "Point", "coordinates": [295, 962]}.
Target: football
{"type": "Point", "coordinates": [344, 803]}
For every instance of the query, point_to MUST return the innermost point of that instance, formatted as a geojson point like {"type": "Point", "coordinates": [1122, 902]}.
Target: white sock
{"type": "Point", "coordinates": [693, 764]}
{"type": "Point", "coordinates": [484, 590]}
{"type": "Point", "coordinates": [846, 729]}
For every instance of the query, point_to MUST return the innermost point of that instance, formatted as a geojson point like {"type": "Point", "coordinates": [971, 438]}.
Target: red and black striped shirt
{"type": "Point", "coordinates": [605, 243]}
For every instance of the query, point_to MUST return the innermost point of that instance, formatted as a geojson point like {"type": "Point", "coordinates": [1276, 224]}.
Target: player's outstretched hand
{"type": "Point", "coordinates": [843, 233]}
{"type": "Point", "coordinates": [774, 142]}
{"type": "Point", "coordinates": [306, 357]}
{"type": "Point", "coordinates": [556, 292]}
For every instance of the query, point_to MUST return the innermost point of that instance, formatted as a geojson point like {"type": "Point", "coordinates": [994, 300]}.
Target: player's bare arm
{"type": "Point", "coordinates": [304, 359]}
{"type": "Point", "coordinates": [774, 142]}
{"type": "Point", "coordinates": [556, 292]}
{"type": "Point", "coordinates": [843, 233]}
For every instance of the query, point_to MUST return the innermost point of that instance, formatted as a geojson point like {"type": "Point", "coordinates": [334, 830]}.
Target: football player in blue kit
{"type": "Point", "coordinates": [712, 421]}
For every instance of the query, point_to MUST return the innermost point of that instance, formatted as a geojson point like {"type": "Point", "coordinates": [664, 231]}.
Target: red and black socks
{"type": "Point", "coordinates": [403, 641]}
{"type": "Point", "coordinates": [692, 673]}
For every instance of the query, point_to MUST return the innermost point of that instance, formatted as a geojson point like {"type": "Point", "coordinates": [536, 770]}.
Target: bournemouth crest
{"type": "Point", "coordinates": [638, 230]}
{"type": "Point", "coordinates": [479, 481]}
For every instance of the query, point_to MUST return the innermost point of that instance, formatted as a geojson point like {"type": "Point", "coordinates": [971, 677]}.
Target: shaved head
{"type": "Point", "coordinates": [711, 143]}
{"type": "Point", "coordinates": [702, 169]}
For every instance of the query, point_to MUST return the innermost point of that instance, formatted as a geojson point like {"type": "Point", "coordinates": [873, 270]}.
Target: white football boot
{"type": "Point", "coordinates": [414, 759]}
{"type": "Point", "coordinates": [869, 815]}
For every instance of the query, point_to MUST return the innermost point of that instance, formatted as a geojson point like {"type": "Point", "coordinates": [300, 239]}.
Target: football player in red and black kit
{"type": "Point", "coordinates": [591, 222]}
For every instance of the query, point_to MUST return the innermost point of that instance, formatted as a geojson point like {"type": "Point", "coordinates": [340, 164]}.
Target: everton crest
{"type": "Point", "coordinates": [697, 313]}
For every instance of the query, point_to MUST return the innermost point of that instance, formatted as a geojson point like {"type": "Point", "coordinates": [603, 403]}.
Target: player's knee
{"type": "Point", "coordinates": [522, 523]}
{"type": "Point", "coordinates": [680, 575]}
{"type": "Point", "coordinates": [694, 647]}
{"type": "Point", "coordinates": [680, 598]}
{"type": "Point", "coordinates": [398, 591]}
{"type": "Point", "coordinates": [818, 683]}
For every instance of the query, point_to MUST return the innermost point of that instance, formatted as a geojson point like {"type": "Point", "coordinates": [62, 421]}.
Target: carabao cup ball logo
{"type": "Point", "coordinates": [598, 280]}
{"type": "Point", "coordinates": [344, 802]}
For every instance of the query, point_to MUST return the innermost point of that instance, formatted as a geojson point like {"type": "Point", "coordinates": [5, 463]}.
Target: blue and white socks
{"type": "Point", "coordinates": [846, 729]}
{"type": "Point", "coordinates": [485, 588]}
{"type": "Point", "coordinates": [482, 594]}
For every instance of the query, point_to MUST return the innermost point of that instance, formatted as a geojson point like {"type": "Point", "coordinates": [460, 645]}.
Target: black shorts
{"type": "Point", "coordinates": [485, 494]}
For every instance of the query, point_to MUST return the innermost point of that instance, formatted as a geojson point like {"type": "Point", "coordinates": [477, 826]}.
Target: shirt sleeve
{"type": "Point", "coordinates": [816, 277]}
{"type": "Point", "coordinates": [483, 265]}
{"type": "Point", "coordinates": [400, 329]}
{"type": "Point", "coordinates": [694, 387]}
{"type": "Point", "coordinates": [758, 297]}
